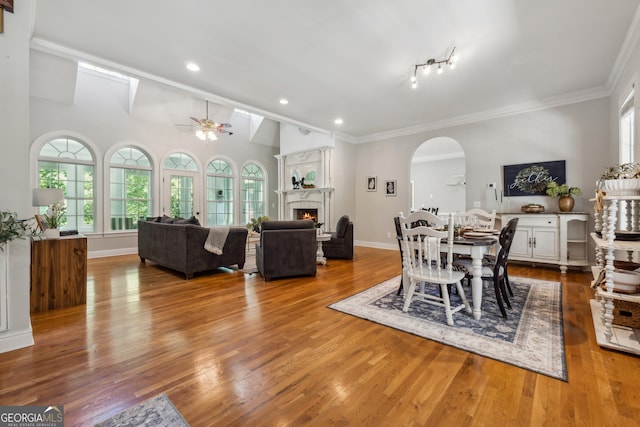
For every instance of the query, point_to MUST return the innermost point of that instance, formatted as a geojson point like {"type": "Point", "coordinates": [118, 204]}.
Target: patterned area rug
{"type": "Point", "coordinates": [531, 338]}
{"type": "Point", "coordinates": [155, 412]}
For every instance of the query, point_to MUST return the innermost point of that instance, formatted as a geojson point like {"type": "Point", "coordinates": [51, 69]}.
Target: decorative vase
{"type": "Point", "coordinates": [51, 233]}
{"type": "Point", "coordinates": [565, 203]}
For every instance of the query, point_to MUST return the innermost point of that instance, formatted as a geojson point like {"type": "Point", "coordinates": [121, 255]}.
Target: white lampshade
{"type": "Point", "coordinates": [46, 196]}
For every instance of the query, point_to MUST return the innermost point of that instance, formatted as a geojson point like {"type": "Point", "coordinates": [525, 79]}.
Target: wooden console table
{"type": "Point", "coordinates": [58, 272]}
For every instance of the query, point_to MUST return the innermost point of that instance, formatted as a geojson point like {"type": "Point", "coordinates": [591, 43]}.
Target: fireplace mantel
{"type": "Point", "coordinates": [296, 165]}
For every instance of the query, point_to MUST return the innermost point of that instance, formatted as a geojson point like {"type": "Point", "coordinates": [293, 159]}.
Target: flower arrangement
{"type": "Point", "coordinates": [55, 215]}
{"type": "Point", "coordinates": [555, 190]}
{"type": "Point", "coordinates": [11, 228]}
{"type": "Point", "coordinates": [623, 171]}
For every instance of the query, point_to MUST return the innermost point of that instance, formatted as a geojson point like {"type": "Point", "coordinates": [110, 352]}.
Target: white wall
{"type": "Point", "coordinates": [439, 184]}
{"type": "Point", "coordinates": [15, 193]}
{"type": "Point", "coordinates": [577, 133]}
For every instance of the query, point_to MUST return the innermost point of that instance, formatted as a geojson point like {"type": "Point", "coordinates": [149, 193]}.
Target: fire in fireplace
{"type": "Point", "coordinates": [306, 214]}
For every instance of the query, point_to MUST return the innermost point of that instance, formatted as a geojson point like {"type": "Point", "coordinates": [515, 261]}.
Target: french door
{"type": "Point", "coordinates": [181, 194]}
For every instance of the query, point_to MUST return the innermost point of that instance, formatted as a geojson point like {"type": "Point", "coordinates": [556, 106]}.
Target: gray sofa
{"type": "Point", "coordinates": [286, 249]}
{"type": "Point", "coordinates": [180, 247]}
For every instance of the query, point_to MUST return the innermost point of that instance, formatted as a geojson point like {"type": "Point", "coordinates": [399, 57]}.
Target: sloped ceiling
{"type": "Point", "coordinates": [352, 59]}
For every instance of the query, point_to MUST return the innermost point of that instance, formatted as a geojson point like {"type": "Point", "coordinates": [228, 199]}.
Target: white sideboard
{"type": "Point", "coordinates": [559, 238]}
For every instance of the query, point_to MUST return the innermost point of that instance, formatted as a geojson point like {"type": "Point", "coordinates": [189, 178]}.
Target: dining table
{"type": "Point", "coordinates": [476, 248]}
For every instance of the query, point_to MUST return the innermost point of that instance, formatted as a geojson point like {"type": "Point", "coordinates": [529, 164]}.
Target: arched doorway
{"type": "Point", "coordinates": [438, 176]}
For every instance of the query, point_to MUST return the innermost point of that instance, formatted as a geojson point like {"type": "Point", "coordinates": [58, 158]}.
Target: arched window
{"type": "Point", "coordinates": [181, 182]}
{"type": "Point", "coordinates": [252, 192]}
{"type": "Point", "coordinates": [219, 193]}
{"type": "Point", "coordinates": [69, 164]}
{"type": "Point", "coordinates": [130, 188]}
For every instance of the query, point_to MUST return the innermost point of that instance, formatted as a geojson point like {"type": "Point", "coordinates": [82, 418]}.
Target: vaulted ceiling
{"type": "Point", "coordinates": [353, 59]}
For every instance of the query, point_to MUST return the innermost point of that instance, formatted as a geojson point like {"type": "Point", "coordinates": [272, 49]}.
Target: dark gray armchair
{"type": "Point", "coordinates": [341, 244]}
{"type": "Point", "coordinates": [286, 249]}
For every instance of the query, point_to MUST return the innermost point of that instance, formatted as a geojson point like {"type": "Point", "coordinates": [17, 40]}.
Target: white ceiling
{"type": "Point", "coordinates": [352, 59]}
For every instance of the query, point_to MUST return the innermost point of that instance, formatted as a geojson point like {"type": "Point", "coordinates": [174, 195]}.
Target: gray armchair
{"type": "Point", "coordinates": [286, 249]}
{"type": "Point", "coordinates": [341, 243]}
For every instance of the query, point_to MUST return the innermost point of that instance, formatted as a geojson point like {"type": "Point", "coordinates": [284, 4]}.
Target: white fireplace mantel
{"type": "Point", "coordinates": [320, 162]}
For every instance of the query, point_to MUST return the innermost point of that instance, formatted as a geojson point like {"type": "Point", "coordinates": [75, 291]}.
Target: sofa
{"type": "Point", "coordinates": [180, 246]}
{"type": "Point", "coordinates": [286, 249]}
{"type": "Point", "coordinates": [340, 246]}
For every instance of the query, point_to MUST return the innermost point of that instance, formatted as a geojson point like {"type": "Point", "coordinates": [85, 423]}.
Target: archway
{"type": "Point", "coordinates": [437, 176]}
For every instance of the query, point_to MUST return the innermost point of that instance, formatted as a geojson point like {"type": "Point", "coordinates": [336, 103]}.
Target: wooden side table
{"type": "Point", "coordinates": [58, 272]}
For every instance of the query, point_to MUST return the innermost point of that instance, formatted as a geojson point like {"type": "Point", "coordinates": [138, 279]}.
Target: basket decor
{"type": "Point", "coordinates": [626, 313]}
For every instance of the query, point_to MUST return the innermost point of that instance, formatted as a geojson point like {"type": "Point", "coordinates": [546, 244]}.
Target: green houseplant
{"type": "Point", "coordinates": [254, 225]}
{"type": "Point", "coordinates": [564, 193]}
{"type": "Point", "coordinates": [12, 228]}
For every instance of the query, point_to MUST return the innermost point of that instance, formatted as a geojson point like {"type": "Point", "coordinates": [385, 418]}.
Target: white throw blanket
{"type": "Point", "coordinates": [216, 239]}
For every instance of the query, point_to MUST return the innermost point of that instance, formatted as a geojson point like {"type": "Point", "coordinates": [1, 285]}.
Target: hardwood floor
{"type": "Point", "coordinates": [233, 350]}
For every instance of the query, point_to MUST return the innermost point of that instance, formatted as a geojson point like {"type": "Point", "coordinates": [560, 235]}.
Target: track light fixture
{"type": "Point", "coordinates": [450, 60]}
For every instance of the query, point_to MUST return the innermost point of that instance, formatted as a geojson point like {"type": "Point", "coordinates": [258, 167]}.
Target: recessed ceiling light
{"type": "Point", "coordinates": [284, 101]}
{"type": "Point", "coordinates": [192, 66]}
{"type": "Point", "coordinates": [338, 121]}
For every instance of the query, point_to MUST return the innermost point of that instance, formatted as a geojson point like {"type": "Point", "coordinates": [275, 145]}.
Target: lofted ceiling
{"type": "Point", "coordinates": [352, 59]}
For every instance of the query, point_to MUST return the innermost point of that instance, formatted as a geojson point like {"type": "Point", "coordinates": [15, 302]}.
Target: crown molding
{"type": "Point", "coordinates": [525, 107]}
{"type": "Point", "coordinates": [629, 44]}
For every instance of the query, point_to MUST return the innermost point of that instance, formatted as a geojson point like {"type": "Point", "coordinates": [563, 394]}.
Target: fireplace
{"type": "Point", "coordinates": [306, 213]}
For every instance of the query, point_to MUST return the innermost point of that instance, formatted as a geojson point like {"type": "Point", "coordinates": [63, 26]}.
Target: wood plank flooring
{"type": "Point", "coordinates": [233, 350]}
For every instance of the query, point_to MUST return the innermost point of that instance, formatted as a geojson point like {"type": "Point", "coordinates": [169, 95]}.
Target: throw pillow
{"type": "Point", "coordinates": [343, 223]}
{"type": "Point", "coordinates": [166, 219]}
{"type": "Point", "coordinates": [193, 220]}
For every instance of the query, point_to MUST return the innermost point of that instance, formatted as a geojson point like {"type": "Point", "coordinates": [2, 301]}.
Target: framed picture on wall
{"type": "Point", "coordinates": [372, 183]}
{"type": "Point", "coordinates": [529, 179]}
{"type": "Point", "coordinates": [390, 187]}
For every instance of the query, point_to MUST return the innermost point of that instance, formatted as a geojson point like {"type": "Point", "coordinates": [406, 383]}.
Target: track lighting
{"type": "Point", "coordinates": [430, 63]}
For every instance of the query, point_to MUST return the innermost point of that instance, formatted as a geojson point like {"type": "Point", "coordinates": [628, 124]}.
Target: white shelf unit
{"type": "Point", "coordinates": [608, 334]}
{"type": "Point", "coordinates": [560, 238]}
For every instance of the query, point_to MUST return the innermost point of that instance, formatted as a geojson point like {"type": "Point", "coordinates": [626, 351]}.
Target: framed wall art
{"type": "Point", "coordinates": [530, 179]}
{"type": "Point", "coordinates": [390, 187]}
{"type": "Point", "coordinates": [372, 183]}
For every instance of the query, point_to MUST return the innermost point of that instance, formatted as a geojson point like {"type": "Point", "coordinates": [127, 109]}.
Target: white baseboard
{"type": "Point", "coordinates": [13, 340]}
{"type": "Point", "coordinates": [378, 245]}
{"type": "Point", "coordinates": [112, 252]}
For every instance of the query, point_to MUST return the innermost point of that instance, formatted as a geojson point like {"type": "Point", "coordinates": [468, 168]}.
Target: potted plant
{"type": "Point", "coordinates": [54, 217]}
{"type": "Point", "coordinates": [254, 225]}
{"type": "Point", "coordinates": [564, 193]}
{"type": "Point", "coordinates": [620, 180]}
{"type": "Point", "coordinates": [12, 228]}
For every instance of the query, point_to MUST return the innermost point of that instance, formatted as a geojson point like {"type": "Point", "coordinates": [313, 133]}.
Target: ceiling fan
{"type": "Point", "coordinates": [206, 128]}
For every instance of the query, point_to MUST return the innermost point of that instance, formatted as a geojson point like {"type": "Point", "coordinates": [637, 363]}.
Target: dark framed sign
{"type": "Point", "coordinates": [529, 179]}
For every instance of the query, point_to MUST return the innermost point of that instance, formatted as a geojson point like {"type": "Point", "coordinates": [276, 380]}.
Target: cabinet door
{"type": "Point", "coordinates": [521, 247]}
{"type": "Point", "coordinates": [545, 244]}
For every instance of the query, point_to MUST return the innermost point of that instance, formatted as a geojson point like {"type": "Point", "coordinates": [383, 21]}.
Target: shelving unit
{"type": "Point", "coordinates": [610, 335]}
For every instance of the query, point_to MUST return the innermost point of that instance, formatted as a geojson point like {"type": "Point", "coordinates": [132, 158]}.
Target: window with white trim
{"type": "Point", "coordinates": [69, 164]}
{"type": "Point", "coordinates": [219, 193]}
{"type": "Point", "coordinates": [253, 190]}
{"type": "Point", "coordinates": [130, 188]}
{"type": "Point", "coordinates": [627, 113]}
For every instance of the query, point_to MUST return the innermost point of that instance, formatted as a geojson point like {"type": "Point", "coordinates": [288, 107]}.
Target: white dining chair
{"type": "Point", "coordinates": [424, 267]}
{"type": "Point", "coordinates": [483, 218]}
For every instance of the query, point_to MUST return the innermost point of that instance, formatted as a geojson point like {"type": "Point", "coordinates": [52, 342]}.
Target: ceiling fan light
{"type": "Point", "coordinates": [452, 65]}
{"type": "Point", "coordinates": [200, 134]}
{"type": "Point", "coordinates": [414, 85]}
{"type": "Point", "coordinates": [455, 57]}
{"type": "Point", "coordinates": [413, 78]}
{"type": "Point", "coordinates": [212, 136]}
{"type": "Point", "coordinates": [440, 69]}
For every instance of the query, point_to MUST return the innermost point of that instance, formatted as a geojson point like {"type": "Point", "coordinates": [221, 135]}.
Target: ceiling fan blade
{"type": "Point", "coordinates": [198, 121]}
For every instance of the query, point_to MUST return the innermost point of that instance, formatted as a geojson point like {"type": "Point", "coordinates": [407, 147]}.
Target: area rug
{"type": "Point", "coordinates": [155, 412]}
{"type": "Point", "coordinates": [531, 338]}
